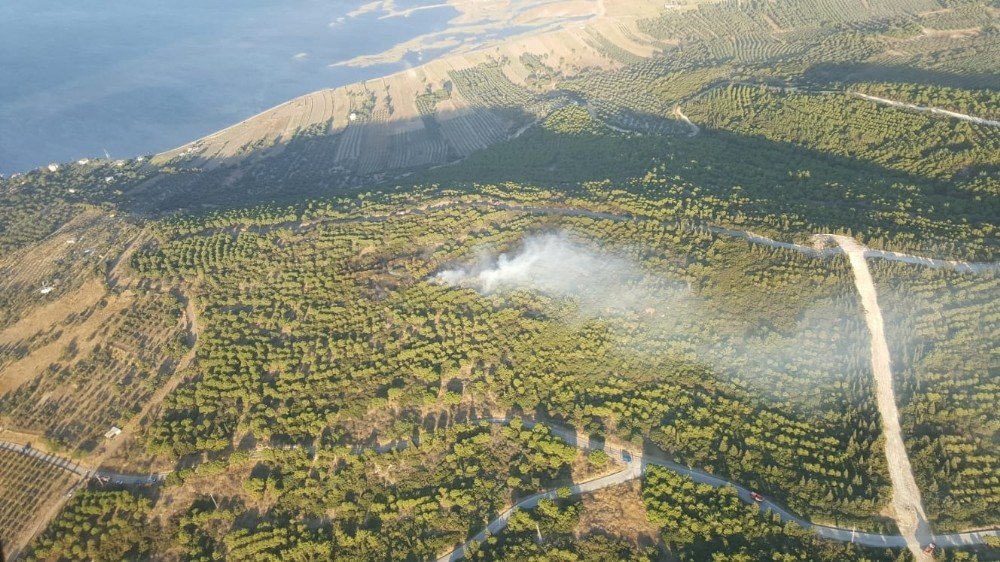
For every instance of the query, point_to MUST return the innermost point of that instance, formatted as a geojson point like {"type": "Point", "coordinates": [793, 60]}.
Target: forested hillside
{"type": "Point", "coordinates": [365, 325]}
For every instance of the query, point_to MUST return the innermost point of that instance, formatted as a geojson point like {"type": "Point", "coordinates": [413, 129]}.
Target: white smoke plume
{"type": "Point", "coordinates": [654, 316]}
{"type": "Point", "coordinates": [557, 266]}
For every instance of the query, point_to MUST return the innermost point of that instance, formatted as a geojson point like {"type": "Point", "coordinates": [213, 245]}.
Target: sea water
{"type": "Point", "coordinates": [78, 77]}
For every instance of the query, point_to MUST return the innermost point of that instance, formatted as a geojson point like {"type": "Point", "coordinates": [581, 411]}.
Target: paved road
{"type": "Point", "coordinates": [111, 477]}
{"type": "Point", "coordinates": [636, 466]}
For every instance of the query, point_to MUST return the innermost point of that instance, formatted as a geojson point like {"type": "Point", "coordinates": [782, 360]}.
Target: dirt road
{"type": "Point", "coordinates": [680, 115]}
{"type": "Point", "coordinates": [906, 501]}
{"type": "Point", "coordinates": [927, 109]}
{"type": "Point", "coordinates": [636, 463]}
{"type": "Point", "coordinates": [907, 508]}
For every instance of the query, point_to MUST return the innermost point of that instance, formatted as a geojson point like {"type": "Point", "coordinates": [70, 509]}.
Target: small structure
{"type": "Point", "coordinates": [53, 167]}
{"type": "Point", "coordinates": [83, 161]}
{"type": "Point", "coordinates": [353, 116]}
{"type": "Point", "coordinates": [115, 431]}
{"type": "Point", "coordinates": [46, 290]}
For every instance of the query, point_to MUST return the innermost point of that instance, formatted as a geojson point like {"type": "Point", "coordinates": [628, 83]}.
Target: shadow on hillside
{"type": "Point", "coordinates": [854, 72]}
{"type": "Point", "coordinates": [315, 164]}
{"type": "Point", "coordinates": [719, 172]}
{"type": "Point", "coordinates": [369, 154]}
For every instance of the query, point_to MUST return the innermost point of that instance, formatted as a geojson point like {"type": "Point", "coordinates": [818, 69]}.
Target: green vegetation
{"type": "Point", "coordinates": [487, 85]}
{"type": "Point", "coordinates": [349, 326]}
{"type": "Point", "coordinates": [75, 400]}
{"type": "Point", "coordinates": [102, 526]}
{"type": "Point", "coordinates": [541, 74]}
{"type": "Point", "coordinates": [548, 532]}
{"type": "Point", "coordinates": [978, 103]}
{"type": "Point", "coordinates": [329, 407]}
{"type": "Point", "coordinates": [35, 204]}
{"type": "Point", "coordinates": [699, 522]}
{"type": "Point", "coordinates": [944, 331]}
{"type": "Point", "coordinates": [407, 503]}
{"type": "Point", "coordinates": [898, 140]}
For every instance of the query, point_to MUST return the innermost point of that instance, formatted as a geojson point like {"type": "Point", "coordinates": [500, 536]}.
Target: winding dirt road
{"type": "Point", "coordinates": [636, 463]}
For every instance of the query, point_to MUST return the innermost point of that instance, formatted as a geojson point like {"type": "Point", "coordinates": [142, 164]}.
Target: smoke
{"type": "Point", "coordinates": [654, 317]}
{"type": "Point", "coordinates": [555, 265]}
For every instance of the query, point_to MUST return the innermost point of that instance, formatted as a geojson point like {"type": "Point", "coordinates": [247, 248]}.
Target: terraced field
{"type": "Point", "coordinates": [72, 401]}
{"type": "Point", "coordinates": [389, 124]}
{"type": "Point", "coordinates": [27, 485]}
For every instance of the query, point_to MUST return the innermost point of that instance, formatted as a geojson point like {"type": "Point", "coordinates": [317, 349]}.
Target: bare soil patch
{"type": "Point", "coordinates": [618, 511]}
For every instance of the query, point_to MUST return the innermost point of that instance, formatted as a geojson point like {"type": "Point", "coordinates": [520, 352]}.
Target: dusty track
{"type": "Point", "coordinates": [680, 115]}
{"type": "Point", "coordinates": [750, 236]}
{"type": "Point", "coordinates": [907, 508]}
{"type": "Point", "coordinates": [879, 100]}
{"type": "Point", "coordinates": [928, 109]}
{"type": "Point", "coordinates": [91, 467]}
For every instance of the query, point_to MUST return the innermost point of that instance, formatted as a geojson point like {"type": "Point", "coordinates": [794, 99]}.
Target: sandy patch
{"type": "Point", "coordinates": [53, 313]}
{"type": "Point", "coordinates": [618, 511]}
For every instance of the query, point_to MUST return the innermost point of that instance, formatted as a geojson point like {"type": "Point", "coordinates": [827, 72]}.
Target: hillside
{"type": "Point", "coordinates": [617, 273]}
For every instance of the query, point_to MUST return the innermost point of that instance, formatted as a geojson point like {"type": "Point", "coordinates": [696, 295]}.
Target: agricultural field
{"type": "Point", "coordinates": [27, 485]}
{"type": "Point", "coordinates": [417, 502]}
{"type": "Point", "coordinates": [334, 333]}
{"type": "Point", "coordinates": [102, 378]}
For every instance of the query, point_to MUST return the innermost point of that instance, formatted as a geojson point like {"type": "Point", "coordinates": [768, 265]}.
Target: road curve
{"type": "Point", "coordinates": [920, 536]}
{"type": "Point", "coordinates": [635, 468]}
{"type": "Point", "coordinates": [636, 465]}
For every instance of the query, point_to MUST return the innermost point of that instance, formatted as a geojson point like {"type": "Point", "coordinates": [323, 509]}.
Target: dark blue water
{"type": "Point", "coordinates": [78, 77]}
